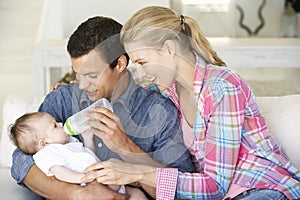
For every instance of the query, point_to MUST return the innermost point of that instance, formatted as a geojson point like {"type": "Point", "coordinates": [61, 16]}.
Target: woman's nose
{"type": "Point", "coordinates": [140, 72]}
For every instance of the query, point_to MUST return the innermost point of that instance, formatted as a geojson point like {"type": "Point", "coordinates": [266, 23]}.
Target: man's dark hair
{"type": "Point", "coordinates": [100, 33]}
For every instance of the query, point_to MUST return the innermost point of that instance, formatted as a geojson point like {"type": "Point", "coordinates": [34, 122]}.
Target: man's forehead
{"type": "Point", "coordinates": [89, 63]}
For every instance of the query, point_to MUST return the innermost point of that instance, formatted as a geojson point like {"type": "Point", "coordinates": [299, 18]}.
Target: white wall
{"type": "Point", "coordinates": [18, 22]}
{"type": "Point", "coordinates": [61, 17]}
{"type": "Point", "coordinates": [225, 24]}
{"type": "Point", "coordinates": [272, 13]}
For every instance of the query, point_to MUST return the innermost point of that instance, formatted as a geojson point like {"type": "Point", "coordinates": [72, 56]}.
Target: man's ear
{"type": "Point", "coordinates": [122, 63]}
{"type": "Point", "coordinates": [169, 47]}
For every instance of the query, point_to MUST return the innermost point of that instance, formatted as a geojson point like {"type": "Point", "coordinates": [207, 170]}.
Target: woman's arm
{"type": "Point", "coordinates": [115, 171]}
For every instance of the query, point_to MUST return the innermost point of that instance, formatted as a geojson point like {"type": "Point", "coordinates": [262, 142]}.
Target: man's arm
{"type": "Point", "coordinates": [51, 188]}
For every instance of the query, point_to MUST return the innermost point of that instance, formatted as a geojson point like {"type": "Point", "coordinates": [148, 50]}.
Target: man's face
{"type": "Point", "coordinates": [95, 76]}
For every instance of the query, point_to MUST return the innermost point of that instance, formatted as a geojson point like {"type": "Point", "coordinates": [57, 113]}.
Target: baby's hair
{"type": "Point", "coordinates": [23, 135]}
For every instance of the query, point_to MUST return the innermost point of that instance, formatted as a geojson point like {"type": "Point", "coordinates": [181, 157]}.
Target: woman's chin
{"type": "Point", "coordinates": [161, 87]}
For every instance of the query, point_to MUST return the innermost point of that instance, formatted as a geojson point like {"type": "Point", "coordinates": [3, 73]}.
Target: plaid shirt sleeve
{"type": "Point", "coordinates": [166, 179]}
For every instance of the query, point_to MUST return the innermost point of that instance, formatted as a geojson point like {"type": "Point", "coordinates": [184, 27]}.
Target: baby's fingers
{"type": "Point", "coordinates": [93, 167]}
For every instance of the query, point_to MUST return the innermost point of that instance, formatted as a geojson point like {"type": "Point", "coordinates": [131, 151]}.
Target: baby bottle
{"type": "Point", "coordinates": [77, 123]}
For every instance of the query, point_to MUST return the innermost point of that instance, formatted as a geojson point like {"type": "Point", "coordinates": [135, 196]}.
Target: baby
{"type": "Point", "coordinates": [55, 152]}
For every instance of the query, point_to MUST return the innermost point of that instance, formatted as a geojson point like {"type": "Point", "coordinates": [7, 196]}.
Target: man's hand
{"type": "Point", "coordinates": [106, 125]}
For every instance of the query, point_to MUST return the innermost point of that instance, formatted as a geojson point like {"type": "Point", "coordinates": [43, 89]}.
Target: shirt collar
{"type": "Point", "coordinates": [199, 74]}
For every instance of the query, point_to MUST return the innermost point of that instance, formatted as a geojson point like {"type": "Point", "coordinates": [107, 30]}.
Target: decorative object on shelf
{"type": "Point", "coordinates": [289, 21]}
{"type": "Point", "coordinates": [260, 16]}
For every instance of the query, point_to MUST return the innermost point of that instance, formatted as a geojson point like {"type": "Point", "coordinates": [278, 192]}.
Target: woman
{"type": "Point", "coordinates": [232, 150]}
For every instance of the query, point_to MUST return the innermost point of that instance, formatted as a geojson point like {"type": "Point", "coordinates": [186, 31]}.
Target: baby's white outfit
{"type": "Point", "coordinates": [72, 155]}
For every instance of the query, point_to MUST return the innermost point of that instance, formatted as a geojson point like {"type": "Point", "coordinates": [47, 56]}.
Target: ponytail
{"type": "Point", "coordinates": [201, 45]}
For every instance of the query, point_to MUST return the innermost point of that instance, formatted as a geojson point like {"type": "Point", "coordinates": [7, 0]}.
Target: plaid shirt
{"type": "Point", "coordinates": [237, 147]}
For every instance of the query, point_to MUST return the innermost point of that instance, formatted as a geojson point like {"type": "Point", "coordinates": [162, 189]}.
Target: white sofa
{"type": "Point", "coordinates": [281, 114]}
{"type": "Point", "coordinates": [13, 107]}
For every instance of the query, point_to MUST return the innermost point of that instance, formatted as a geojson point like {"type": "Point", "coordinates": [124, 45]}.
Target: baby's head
{"type": "Point", "coordinates": [33, 131]}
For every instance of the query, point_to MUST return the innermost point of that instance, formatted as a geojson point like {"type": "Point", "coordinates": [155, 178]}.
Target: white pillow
{"type": "Point", "coordinates": [13, 107]}
{"type": "Point", "coordinates": [282, 118]}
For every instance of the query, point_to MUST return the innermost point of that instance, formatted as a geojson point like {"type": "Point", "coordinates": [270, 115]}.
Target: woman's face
{"type": "Point", "coordinates": [156, 65]}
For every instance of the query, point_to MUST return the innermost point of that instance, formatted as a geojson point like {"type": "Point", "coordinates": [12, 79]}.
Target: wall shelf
{"type": "Point", "coordinates": [258, 52]}
{"type": "Point", "coordinates": [236, 52]}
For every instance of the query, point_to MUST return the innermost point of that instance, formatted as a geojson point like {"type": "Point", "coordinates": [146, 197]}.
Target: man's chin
{"type": "Point", "coordinates": [92, 98]}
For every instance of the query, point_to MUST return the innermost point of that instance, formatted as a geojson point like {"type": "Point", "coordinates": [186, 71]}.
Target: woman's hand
{"type": "Point", "coordinates": [115, 171]}
{"type": "Point", "coordinates": [56, 85]}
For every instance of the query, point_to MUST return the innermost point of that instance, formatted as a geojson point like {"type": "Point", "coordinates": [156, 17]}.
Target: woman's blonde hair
{"type": "Point", "coordinates": [154, 25]}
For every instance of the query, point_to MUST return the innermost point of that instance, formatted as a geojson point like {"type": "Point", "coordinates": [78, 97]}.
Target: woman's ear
{"type": "Point", "coordinates": [169, 47]}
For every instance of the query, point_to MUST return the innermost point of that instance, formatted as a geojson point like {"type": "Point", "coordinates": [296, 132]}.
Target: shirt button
{"type": "Point", "coordinates": [247, 183]}
{"type": "Point", "coordinates": [99, 145]}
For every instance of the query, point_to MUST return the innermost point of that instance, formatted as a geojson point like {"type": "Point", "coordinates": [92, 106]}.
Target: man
{"type": "Point", "coordinates": [142, 121]}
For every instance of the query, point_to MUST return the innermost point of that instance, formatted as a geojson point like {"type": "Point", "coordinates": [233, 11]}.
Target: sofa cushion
{"type": "Point", "coordinates": [13, 107]}
{"type": "Point", "coordinates": [281, 114]}
{"type": "Point", "coordinates": [282, 118]}
{"type": "Point", "coordinates": [11, 191]}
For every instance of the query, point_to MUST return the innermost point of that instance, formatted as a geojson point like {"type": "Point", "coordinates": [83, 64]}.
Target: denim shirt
{"type": "Point", "coordinates": [150, 120]}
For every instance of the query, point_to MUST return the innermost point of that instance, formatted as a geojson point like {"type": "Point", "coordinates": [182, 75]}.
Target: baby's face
{"type": "Point", "coordinates": [50, 130]}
